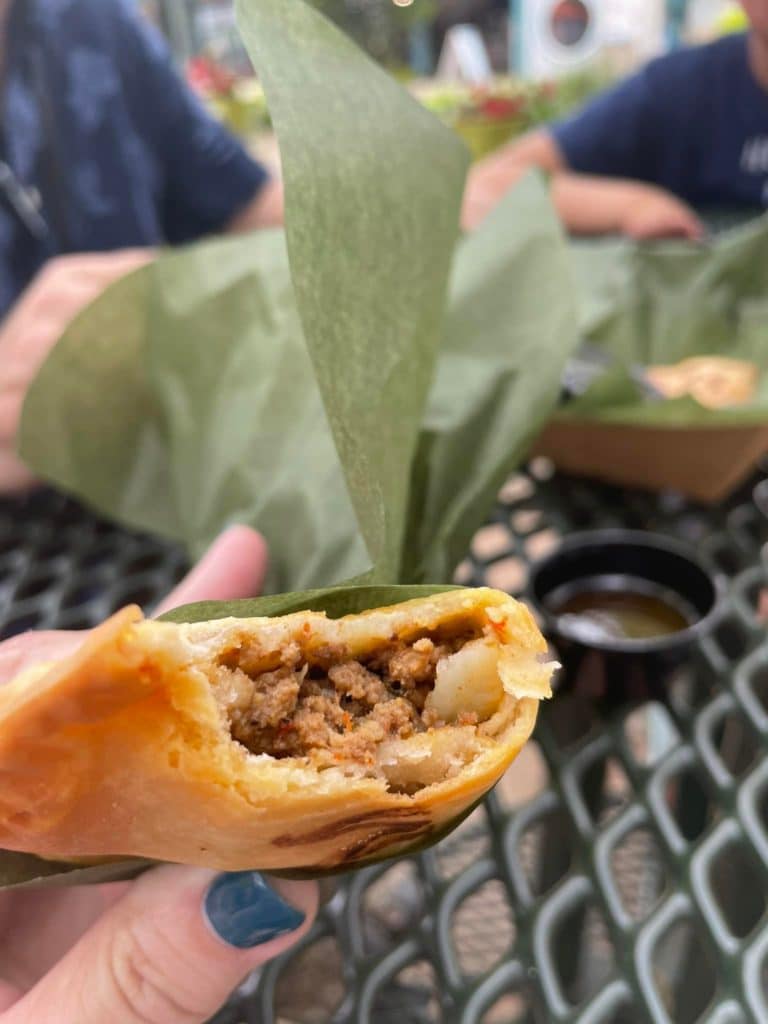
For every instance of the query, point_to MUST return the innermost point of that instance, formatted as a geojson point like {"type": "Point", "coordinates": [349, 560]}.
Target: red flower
{"type": "Point", "coordinates": [501, 108]}
{"type": "Point", "coordinates": [206, 76]}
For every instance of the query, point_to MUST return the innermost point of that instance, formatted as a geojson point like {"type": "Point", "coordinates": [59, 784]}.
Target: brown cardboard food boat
{"type": "Point", "coordinates": [703, 462]}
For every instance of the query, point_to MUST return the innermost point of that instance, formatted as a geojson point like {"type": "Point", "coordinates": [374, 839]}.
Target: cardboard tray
{"type": "Point", "coordinates": [704, 463]}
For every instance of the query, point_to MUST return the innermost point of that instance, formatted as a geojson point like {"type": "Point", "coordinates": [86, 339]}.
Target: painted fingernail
{"type": "Point", "coordinates": [244, 911]}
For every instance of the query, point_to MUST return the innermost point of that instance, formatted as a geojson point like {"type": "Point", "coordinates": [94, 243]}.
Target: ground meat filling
{"type": "Point", "coordinates": [328, 706]}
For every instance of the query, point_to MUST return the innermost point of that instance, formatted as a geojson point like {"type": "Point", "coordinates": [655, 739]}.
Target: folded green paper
{"type": "Point", "coordinates": [357, 388]}
{"type": "Point", "coordinates": [293, 386]}
{"type": "Point", "coordinates": [660, 303]}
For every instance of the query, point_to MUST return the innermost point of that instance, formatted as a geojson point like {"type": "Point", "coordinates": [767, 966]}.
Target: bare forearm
{"type": "Point", "coordinates": [587, 205]}
{"type": "Point", "coordinates": [605, 206]}
{"type": "Point", "coordinates": [594, 206]}
{"type": "Point", "coordinates": [491, 178]}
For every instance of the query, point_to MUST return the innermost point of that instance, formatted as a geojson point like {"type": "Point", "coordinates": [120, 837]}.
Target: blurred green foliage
{"type": "Point", "coordinates": [487, 117]}
{"type": "Point", "coordinates": [484, 117]}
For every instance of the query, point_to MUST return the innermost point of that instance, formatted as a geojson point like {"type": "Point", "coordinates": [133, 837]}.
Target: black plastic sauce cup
{"type": "Point", "coordinates": [618, 670]}
{"type": "Point", "coordinates": [760, 497]}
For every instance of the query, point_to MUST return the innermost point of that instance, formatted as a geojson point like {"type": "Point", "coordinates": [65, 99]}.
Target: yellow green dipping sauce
{"type": "Point", "coordinates": [599, 613]}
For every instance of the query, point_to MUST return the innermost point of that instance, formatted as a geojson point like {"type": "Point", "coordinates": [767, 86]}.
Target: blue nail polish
{"type": "Point", "coordinates": [245, 912]}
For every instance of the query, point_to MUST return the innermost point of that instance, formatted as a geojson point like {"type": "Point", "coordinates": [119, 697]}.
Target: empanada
{"type": "Point", "coordinates": [716, 382]}
{"type": "Point", "coordinates": [298, 742]}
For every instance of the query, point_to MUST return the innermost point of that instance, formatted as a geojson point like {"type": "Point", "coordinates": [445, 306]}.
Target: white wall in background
{"type": "Point", "coordinates": [639, 24]}
{"type": "Point", "coordinates": [701, 15]}
{"type": "Point", "coordinates": [635, 27]}
{"type": "Point", "coordinates": [464, 57]}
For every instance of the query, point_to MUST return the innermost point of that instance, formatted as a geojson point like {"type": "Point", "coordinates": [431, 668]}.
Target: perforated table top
{"type": "Point", "coordinates": [617, 874]}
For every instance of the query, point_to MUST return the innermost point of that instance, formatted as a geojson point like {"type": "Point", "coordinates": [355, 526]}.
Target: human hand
{"type": "Point", "coordinates": [64, 287]}
{"type": "Point", "coordinates": [171, 946]}
{"type": "Point", "coordinates": [652, 212]}
{"type": "Point", "coordinates": [491, 178]}
{"type": "Point", "coordinates": [586, 204]}
{"type": "Point", "coordinates": [488, 181]}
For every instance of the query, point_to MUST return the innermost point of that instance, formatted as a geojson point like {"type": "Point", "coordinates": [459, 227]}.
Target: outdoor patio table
{"type": "Point", "coordinates": [617, 874]}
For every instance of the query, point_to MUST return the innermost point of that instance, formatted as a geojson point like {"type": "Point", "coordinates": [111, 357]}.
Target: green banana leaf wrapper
{"type": "Point", "coordinates": [358, 387]}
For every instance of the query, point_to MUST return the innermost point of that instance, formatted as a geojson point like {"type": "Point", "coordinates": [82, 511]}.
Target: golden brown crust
{"type": "Point", "coordinates": [122, 750]}
{"type": "Point", "coordinates": [716, 382]}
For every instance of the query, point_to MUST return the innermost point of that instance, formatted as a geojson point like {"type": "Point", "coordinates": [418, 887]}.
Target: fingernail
{"type": "Point", "coordinates": [244, 911]}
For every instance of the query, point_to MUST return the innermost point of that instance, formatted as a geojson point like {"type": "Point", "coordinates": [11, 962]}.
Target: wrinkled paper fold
{"type": "Point", "coordinates": [357, 387]}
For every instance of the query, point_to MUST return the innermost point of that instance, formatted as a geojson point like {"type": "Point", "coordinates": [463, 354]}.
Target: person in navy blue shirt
{"type": "Point", "coordinates": [688, 133]}
{"type": "Point", "coordinates": [105, 155]}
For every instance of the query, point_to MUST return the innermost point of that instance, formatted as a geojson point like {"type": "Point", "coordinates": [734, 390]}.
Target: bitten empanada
{"type": "Point", "coordinates": [716, 382]}
{"type": "Point", "coordinates": [298, 742]}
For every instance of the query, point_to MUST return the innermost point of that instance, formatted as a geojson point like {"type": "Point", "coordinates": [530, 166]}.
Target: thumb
{"type": "Point", "coordinates": [171, 950]}
{"type": "Point", "coordinates": [233, 566]}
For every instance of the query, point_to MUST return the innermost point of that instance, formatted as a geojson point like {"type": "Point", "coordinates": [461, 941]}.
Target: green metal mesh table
{"type": "Point", "coordinates": [617, 874]}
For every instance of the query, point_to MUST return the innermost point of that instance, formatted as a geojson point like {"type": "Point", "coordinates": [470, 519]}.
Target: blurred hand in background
{"type": "Point", "coordinates": [64, 287]}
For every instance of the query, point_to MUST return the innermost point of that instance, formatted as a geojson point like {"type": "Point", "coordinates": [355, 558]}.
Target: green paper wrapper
{"type": "Point", "coordinates": [251, 372]}
{"type": "Point", "coordinates": [357, 387]}
{"type": "Point", "coordinates": [336, 602]}
{"type": "Point", "coordinates": [660, 303]}
{"type": "Point", "coordinates": [510, 327]}
{"type": "Point", "coordinates": [226, 411]}
{"type": "Point", "coordinates": [23, 871]}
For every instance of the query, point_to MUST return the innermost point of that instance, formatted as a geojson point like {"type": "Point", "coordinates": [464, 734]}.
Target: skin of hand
{"type": "Point", "coordinates": [587, 205]}
{"type": "Point", "coordinates": [64, 286]}
{"type": "Point", "coordinates": [171, 946]}
{"type": "Point", "coordinates": [655, 213]}
{"type": "Point", "coordinates": [492, 177]}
